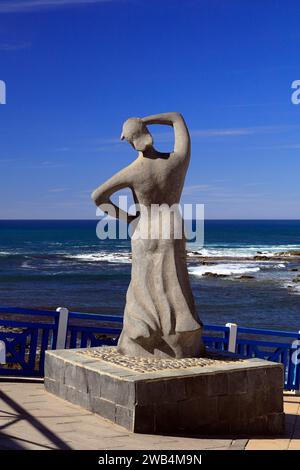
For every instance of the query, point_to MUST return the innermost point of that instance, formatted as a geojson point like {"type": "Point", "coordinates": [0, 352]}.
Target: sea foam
{"type": "Point", "coordinates": [223, 269]}
{"type": "Point", "coordinates": [104, 256]}
{"type": "Point", "coordinates": [248, 251]}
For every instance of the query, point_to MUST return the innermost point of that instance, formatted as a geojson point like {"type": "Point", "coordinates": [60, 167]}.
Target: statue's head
{"type": "Point", "coordinates": [137, 134]}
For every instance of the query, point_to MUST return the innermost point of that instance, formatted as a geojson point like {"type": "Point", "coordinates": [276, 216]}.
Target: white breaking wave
{"type": "Point", "coordinates": [26, 265]}
{"type": "Point", "coordinates": [241, 252]}
{"type": "Point", "coordinates": [293, 287]}
{"type": "Point", "coordinates": [96, 257]}
{"type": "Point", "coordinates": [223, 269]}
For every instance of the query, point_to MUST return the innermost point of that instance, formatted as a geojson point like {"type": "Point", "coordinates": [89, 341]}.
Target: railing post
{"type": "Point", "coordinates": [2, 352]}
{"type": "Point", "coordinates": [62, 327]}
{"type": "Point", "coordinates": [297, 366]}
{"type": "Point", "coordinates": [232, 337]}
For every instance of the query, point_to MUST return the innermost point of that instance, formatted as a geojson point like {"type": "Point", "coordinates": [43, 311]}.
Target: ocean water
{"type": "Point", "coordinates": [238, 276]}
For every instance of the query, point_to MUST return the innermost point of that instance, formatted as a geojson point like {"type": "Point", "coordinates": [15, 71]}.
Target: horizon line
{"type": "Point", "coordinates": [97, 219]}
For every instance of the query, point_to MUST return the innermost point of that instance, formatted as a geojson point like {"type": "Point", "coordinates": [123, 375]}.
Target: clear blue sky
{"type": "Point", "coordinates": [76, 69]}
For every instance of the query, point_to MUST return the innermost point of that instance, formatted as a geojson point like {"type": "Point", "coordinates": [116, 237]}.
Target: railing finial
{"type": "Point", "coordinates": [62, 327]}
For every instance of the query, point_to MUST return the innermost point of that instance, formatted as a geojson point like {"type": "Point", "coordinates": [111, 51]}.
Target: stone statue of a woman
{"type": "Point", "coordinates": [159, 318]}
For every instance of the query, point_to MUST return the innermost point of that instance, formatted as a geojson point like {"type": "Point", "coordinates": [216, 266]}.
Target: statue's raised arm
{"type": "Point", "coordinates": [181, 133]}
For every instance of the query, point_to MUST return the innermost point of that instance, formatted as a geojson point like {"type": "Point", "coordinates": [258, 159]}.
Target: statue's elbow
{"type": "Point", "coordinates": [177, 115]}
{"type": "Point", "coordinates": [180, 117]}
{"type": "Point", "coordinates": [99, 197]}
{"type": "Point", "coordinates": [95, 197]}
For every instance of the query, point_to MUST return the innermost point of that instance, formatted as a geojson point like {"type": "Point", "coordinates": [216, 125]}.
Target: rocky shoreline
{"type": "Point", "coordinates": [246, 268]}
{"type": "Point", "coordinates": [286, 256]}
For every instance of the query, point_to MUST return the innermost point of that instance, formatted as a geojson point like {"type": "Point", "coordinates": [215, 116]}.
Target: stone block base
{"type": "Point", "coordinates": [238, 398]}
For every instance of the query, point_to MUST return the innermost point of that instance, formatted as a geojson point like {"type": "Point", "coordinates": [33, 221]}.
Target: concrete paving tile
{"type": "Point", "coordinates": [239, 444]}
{"type": "Point", "coordinates": [291, 398]}
{"type": "Point", "coordinates": [27, 440]}
{"type": "Point", "coordinates": [291, 408]}
{"type": "Point", "coordinates": [268, 444]}
{"type": "Point", "coordinates": [294, 445]}
{"type": "Point", "coordinates": [55, 423]}
{"type": "Point", "coordinates": [217, 448]}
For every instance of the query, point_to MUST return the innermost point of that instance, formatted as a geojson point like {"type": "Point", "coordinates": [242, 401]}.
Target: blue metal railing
{"type": "Point", "coordinates": [284, 348]}
{"type": "Point", "coordinates": [28, 333]}
{"type": "Point", "coordinates": [216, 337]}
{"type": "Point", "coordinates": [26, 340]}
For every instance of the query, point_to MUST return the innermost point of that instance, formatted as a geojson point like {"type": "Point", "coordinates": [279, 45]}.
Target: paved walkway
{"type": "Point", "coordinates": [30, 418]}
{"type": "Point", "coordinates": [291, 439]}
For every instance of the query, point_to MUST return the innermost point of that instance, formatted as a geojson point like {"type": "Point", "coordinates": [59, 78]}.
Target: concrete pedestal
{"type": "Point", "coordinates": [229, 397]}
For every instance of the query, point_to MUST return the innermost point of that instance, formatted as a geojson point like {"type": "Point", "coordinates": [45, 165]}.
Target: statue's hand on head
{"type": "Point", "coordinates": [181, 133]}
{"type": "Point", "coordinates": [136, 133]}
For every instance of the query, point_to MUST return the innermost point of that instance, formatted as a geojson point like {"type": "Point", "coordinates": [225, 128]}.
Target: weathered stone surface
{"type": "Point", "coordinates": [228, 409]}
{"type": "Point", "coordinates": [105, 408]}
{"type": "Point", "coordinates": [234, 398]}
{"type": "Point", "coordinates": [197, 386]}
{"type": "Point", "coordinates": [110, 355]}
{"type": "Point", "coordinates": [258, 381]}
{"type": "Point", "coordinates": [195, 414]}
{"type": "Point", "coordinates": [53, 369]}
{"type": "Point", "coordinates": [218, 384]}
{"type": "Point", "coordinates": [123, 392]}
{"type": "Point", "coordinates": [275, 377]}
{"type": "Point", "coordinates": [160, 318]}
{"type": "Point", "coordinates": [150, 392]}
{"type": "Point", "coordinates": [52, 386]}
{"type": "Point", "coordinates": [77, 397]}
{"type": "Point", "coordinates": [125, 417]}
{"type": "Point", "coordinates": [238, 382]}
{"type": "Point", "coordinates": [93, 383]}
{"type": "Point", "coordinates": [144, 418]}
{"type": "Point", "coordinates": [76, 377]}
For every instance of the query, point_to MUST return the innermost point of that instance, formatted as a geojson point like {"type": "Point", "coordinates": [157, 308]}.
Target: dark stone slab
{"type": "Point", "coordinates": [105, 408]}
{"type": "Point", "coordinates": [238, 398]}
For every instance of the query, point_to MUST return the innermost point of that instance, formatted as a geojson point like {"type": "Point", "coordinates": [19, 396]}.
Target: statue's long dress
{"type": "Point", "coordinates": [160, 318]}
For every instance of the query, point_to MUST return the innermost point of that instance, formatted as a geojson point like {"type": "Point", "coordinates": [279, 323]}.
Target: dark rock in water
{"type": "Point", "coordinates": [208, 274]}
{"type": "Point", "coordinates": [246, 276]}
{"type": "Point", "coordinates": [296, 279]}
{"type": "Point", "coordinates": [259, 252]}
{"type": "Point", "coordinates": [290, 253]}
{"type": "Point", "coordinates": [294, 269]}
{"type": "Point", "coordinates": [261, 257]}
